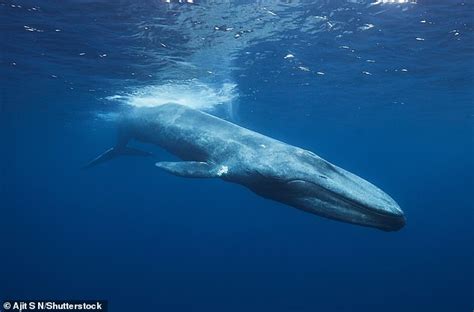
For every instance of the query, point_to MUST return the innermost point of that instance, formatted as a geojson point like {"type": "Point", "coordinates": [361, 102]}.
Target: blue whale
{"type": "Point", "coordinates": [211, 147]}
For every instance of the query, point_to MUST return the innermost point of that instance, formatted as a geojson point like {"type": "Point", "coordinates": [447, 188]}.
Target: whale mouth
{"type": "Point", "coordinates": [353, 211]}
{"type": "Point", "coordinates": [387, 221]}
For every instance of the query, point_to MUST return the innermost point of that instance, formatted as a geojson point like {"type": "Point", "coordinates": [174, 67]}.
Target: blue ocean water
{"type": "Point", "coordinates": [384, 90]}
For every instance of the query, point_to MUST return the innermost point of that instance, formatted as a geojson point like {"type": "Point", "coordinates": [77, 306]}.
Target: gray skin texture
{"type": "Point", "coordinates": [212, 147]}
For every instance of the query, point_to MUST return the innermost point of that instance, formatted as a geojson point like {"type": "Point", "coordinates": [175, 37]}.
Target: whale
{"type": "Point", "coordinates": [211, 147]}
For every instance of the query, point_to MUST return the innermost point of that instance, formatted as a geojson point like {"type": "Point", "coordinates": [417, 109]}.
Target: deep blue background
{"type": "Point", "coordinates": [142, 239]}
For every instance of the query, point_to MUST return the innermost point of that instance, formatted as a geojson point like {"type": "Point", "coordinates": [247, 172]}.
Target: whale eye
{"type": "Point", "coordinates": [323, 176]}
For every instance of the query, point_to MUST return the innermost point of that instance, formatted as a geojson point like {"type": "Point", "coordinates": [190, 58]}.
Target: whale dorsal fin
{"type": "Point", "coordinates": [192, 169]}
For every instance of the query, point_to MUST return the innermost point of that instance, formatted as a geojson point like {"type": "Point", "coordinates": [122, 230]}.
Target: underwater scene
{"type": "Point", "coordinates": [200, 155]}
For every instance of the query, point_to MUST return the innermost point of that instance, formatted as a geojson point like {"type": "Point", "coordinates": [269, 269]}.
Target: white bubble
{"type": "Point", "coordinates": [191, 93]}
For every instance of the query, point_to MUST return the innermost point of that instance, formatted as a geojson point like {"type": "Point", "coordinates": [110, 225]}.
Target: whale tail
{"type": "Point", "coordinates": [113, 152]}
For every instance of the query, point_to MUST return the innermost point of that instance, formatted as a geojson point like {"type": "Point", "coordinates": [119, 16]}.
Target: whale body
{"type": "Point", "coordinates": [211, 147]}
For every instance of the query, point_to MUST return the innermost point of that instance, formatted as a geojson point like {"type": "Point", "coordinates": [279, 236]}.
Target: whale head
{"type": "Point", "coordinates": [308, 182]}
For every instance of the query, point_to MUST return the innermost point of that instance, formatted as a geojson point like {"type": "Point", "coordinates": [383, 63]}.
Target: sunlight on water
{"type": "Point", "coordinates": [396, 1]}
{"type": "Point", "coordinates": [191, 93]}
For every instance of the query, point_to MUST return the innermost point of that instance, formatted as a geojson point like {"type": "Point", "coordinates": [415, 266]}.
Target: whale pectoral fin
{"type": "Point", "coordinates": [189, 169]}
